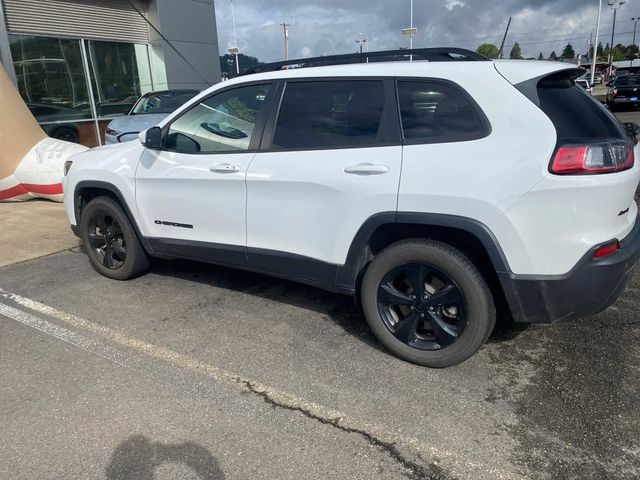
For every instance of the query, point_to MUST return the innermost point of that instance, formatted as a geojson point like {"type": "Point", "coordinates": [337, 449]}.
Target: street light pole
{"type": "Point", "coordinates": [235, 38]}
{"type": "Point", "coordinates": [615, 4]}
{"type": "Point", "coordinates": [361, 41]}
{"type": "Point", "coordinates": [411, 31]}
{"type": "Point", "coordinates": [635, 26]}
{"type": "Point", "coordinates": [595, 48]}
{"type": "Point", "coordinates": [411, 26]}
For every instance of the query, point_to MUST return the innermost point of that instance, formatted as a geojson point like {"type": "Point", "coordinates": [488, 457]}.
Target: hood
{"type": "Point", "coordinates": [136, 123]}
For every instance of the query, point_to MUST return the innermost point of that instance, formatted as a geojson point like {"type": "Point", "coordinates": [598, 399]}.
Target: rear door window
{"type": "Point", "coordinates": [433, 112]}
{"type": "Point", "coordinates": [330, 114]}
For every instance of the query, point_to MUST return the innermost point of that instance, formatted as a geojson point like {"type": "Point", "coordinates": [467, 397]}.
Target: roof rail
{"type": "Point", "coordinates": [441, 54]}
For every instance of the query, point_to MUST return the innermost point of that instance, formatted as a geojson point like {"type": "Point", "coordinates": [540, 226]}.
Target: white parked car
{"type": "Point", "coordinates": [148, 111]}
{"type": "Point", "coordinates": [435, 192]}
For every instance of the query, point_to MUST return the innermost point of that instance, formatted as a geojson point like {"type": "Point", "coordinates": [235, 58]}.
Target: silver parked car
{"type": "Point", "coordinates": [147, 112]}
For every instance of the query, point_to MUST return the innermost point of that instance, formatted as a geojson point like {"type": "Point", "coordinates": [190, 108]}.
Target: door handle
{"type": "Point", "coordinates": [367, 169]}
{"type": "Point", "coordinates": [224, 168]}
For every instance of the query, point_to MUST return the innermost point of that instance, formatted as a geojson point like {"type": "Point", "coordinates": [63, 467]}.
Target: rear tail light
{"type": "Point", "coordinates": [607, 249]}
{"type": "Point", "coordinates": [591, 159]}
{"type": "Point", "coordinates": [615, 92]}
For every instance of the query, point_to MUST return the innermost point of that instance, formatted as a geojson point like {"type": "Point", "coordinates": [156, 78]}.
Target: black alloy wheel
{"type": "Point", "coordinates": [112, 245]}
{"type": "Point", "coordinates": [422, 306]}
{"type": "Point", "coordinates": [106, 239]}
{"type": "Point", "coordinates": [427, 302]}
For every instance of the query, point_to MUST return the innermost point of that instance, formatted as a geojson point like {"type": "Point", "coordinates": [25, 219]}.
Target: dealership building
{"type": "Point", "coordinates": [79, 63]}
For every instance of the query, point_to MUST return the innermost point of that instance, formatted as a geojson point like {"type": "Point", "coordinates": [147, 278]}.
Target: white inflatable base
{"type": "Point", "coordinates": [39, 174]}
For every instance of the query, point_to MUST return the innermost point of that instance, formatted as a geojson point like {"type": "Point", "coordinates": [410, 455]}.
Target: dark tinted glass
{"type": "Point", "coordinates": [436, 112]}
{"type": "Point", "coordinates": [628, 80]}
{"type": "Point", "coordinates": [330, 114]}
{"type": "Point", "coordinates": [575, 113]}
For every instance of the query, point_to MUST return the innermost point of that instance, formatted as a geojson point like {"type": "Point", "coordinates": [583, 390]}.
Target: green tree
{"type": "Point", "coordinates": [516, 52]}
{"type": "Point", "coordinates": [540, 57]}
{"type": "Point", "coordinates": [488, 50]}
{"type": "Point", "coordinates": [569, 52]}
{"type": "Point", "coordinates": [228, 63]}
{"type": "Point", "coordinates": [553, 56]}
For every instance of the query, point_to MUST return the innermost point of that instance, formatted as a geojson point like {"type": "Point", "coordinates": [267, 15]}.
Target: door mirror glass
{"type": "Point", "coordinates": [152, 138]}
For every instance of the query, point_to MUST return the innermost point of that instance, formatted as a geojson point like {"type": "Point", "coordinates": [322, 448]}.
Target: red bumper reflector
{"type": "Point", "coordinates": [607, 249]}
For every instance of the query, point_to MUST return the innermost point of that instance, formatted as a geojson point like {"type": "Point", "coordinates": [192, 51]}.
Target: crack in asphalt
{"type": "Point", "coordinates": [412, 470]}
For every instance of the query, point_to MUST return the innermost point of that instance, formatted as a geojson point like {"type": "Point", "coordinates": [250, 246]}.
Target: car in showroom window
{"type": "Point", "coordinates": [150, 109]}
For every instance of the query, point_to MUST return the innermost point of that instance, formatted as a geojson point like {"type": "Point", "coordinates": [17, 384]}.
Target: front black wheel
{"type": "Point", "coordinates": [111, 243]}
{"type": "Point", "coordinates": [427, 303]}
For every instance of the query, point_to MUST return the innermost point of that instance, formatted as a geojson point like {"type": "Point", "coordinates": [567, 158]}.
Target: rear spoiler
{"type": "Point", "coordinates": [527, 75]}
{"type": "Point", "coordinates": [566, 78]}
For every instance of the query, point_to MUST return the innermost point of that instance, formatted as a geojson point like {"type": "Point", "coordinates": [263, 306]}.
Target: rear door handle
{"type": "Point", "coordinates": [367, 169]}
{"type": "Point", "coordinates": [224, 168]}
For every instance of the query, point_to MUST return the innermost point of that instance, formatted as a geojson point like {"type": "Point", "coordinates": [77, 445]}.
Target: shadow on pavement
{"type": "Point", "coordinates": [340, 309]}
{"type": "Point", "coordinates": [138, 458]}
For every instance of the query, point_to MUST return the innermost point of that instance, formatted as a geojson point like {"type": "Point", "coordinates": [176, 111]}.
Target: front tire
{"type": "Point", "coordinates": [112, 245]}
{"type": "Point", "coordinates": [427, 303]}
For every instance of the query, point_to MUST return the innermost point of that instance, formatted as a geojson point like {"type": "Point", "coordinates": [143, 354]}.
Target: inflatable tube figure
{"type": "Point", "coordinates": [31, 164]}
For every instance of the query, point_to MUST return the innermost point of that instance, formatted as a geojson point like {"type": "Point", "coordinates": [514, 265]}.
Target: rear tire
{"type": "Point", "coordinates": [427, 303]}
{"type": "Point", "coordinates": [112, 245]}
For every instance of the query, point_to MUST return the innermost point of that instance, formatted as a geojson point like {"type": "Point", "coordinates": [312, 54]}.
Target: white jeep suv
{"type": "Point", "coordinates": [434, 191]}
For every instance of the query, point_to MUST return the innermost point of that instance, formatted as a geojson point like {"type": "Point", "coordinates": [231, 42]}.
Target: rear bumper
{"type": "Point", "coordinates": [590, 287]}
{"type": "Point", "coordinates": [626, 101]}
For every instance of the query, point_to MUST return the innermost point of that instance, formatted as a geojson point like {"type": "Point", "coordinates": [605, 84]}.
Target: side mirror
{"type": "Point", "coordinates": [151, 138]}
{"type": "Point", "coordinates": [633, 129]}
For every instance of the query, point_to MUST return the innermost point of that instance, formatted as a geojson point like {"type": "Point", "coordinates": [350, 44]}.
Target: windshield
{"type": "Point", "coordinates": [162, 102]}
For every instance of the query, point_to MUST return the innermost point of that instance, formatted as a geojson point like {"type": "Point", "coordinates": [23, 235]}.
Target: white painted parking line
{"type": "Point", "coordinates": [279, 397]}
{"type": "Point", "coordinates": [60, 333]}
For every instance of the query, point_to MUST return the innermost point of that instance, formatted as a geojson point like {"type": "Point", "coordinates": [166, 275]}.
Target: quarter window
{"type": "Point", "coordinates": [436, 112]}
{"type": "Point", "coordinates": [223, 122]}
{"type": "Point", "coordinates": [330, 114]}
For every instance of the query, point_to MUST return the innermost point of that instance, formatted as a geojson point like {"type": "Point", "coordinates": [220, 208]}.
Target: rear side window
{"type": "Point", "coordinates": [435, 112]}
{"type": "Point", "coordinates": [576, 114]}
{"type": "Point", "coordinates": [330, 114]}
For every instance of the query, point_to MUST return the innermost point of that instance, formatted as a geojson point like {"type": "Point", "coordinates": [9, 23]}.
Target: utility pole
{"type": "Point", "coordinates": [595, 47]}
{"type": "Point", "coordinates": [284, 26]}
{"type": "Point", "coordinates": [504, 39]}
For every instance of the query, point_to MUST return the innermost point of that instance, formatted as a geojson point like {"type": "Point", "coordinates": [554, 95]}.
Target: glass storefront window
{"type": "Point", "coordinates": [115, 70]}
{"type": "Point", "coordinates": [52, 80]}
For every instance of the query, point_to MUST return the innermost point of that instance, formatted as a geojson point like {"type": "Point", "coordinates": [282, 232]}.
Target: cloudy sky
{"type": "Point", "coordinates": [325, 27]}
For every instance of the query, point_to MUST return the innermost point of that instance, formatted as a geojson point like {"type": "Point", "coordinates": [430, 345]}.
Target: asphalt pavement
{"type": "Point", "coordinates": [196, 371]}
